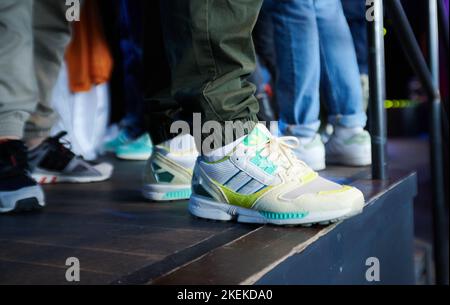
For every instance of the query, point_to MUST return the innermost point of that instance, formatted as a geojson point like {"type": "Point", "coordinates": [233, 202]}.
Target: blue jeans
{"type": "Point", "coordinates": [131, 44]}
{"type": "Point", "coordinates": [314, 48]}
{"type": "Point", "coordinates": [355, 12]}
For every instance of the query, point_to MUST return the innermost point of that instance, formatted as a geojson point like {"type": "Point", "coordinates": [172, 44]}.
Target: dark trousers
{"type": "Point", "coordinates": [210, 52]}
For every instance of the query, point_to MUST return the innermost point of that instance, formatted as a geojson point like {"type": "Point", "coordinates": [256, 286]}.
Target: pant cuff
{"type": "Point", "coordinates": [33, 133]}
{"type": "Point", "coordinates": [11, 128]}
{"type": "Point", "coordinates": [348, 121]}
{"type": "Point", "coordinates": [303, 131]}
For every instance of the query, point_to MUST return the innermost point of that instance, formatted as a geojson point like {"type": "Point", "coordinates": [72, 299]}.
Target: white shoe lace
{"type": "Point", "coordinates": [278, 150]}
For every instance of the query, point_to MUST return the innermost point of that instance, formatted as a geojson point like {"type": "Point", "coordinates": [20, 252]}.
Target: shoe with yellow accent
{"type": "Point", "coordinates": [168, 173]}
{"type": "Point", "coordinates": [261, 181]}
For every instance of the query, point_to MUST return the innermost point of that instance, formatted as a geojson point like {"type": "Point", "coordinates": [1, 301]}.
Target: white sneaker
{"type": "Point", "coordinates": [312, 152]}
{"type": "Point", "coordinates": [350, 147]}
{"type": "Point", "coordinates": [260, 180]}
{"type": "Point", "coordinates": [168, 173]}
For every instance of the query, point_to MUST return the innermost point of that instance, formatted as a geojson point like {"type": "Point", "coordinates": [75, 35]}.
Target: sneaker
{"type": "Point", "coordinates": [168, 173]}
{"type": "Point", "coordinates": [53, 162]}
{"type": "Point", "coordinates": [18, 191]}
{"type": "Point", "coordinates": [121, 139]}
{"type": "Point", "coordinates": [349, 147]}
{"type": "Point", "coordinates": [262, 181]}
{"type": "Point", "coordinates": [138, 150]}
{"type": "Point", "coordinates": [312, 152]}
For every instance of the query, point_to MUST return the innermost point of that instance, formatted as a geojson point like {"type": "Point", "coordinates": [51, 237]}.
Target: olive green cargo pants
{"type": "Point", "coordinates": [210, 51]}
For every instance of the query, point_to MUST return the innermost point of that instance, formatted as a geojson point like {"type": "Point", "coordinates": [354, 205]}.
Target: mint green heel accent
{"type": "Point", "coordinates": [177, 195]}
{"type": "Point", "coordinates": [270, 215]}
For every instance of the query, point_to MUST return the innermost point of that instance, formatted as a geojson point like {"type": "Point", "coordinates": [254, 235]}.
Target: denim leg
{"type": "Point", "coordinates": [340, 73]}
{"type": "Point", "coordinates": [131, 45]}
{"type": "Point", "coordinates": [298, 65]}
{"type": "Point", "coordinates": [355, 13]}
{"type": "Point", "coordinates": [264, 40]}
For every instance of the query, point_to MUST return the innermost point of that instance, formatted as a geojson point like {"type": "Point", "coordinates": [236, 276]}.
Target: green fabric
{"type": "Point", "coordinates": [242, 200]}
{"type": "Point", "coordinates": [211, 53]}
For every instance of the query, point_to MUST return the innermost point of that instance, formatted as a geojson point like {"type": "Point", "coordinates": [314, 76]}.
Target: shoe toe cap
{"type": "Point", "coordinates": [105, 169]}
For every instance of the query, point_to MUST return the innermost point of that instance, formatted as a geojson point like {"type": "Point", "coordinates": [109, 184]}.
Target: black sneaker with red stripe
{"type": "Point", "coordinates": [18, 190]}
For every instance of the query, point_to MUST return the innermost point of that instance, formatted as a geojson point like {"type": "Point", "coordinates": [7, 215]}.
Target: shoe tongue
{"type": "Point", "coordinates": [259, 135]}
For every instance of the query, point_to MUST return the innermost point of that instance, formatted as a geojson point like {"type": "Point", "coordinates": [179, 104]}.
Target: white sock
{"type": "Point", "coordinates": [346, 132]}
{"type": "Point", "coordinates": [223, 151]}
{"type": "Point", "coordinates": [181, 144]}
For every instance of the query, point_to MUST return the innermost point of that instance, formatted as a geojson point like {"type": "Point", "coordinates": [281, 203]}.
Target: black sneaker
{"type": "Point", "coordinates": [53, 162]}
{"type": "Point", "coordinates": [18, 190]}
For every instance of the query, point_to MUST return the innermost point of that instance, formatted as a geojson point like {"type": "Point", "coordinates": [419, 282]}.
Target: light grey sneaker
{"type": "Point", "coordinates": [349, 149]}
{"type": "Point", "coordinates": [168, 173]}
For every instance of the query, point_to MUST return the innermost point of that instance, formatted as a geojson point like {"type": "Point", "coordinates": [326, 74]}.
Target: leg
{"type": "Point", "coordinates": [161, 110]}
{"type": "Point", "coordinates": [52, 162]}
{"type": "Point", "coordinates": [132, 51]}
{"type": "Point", "coordinates": [18, 92]}
{"type": "Point", "coordinates": [210, 50]}
{"type": "Point", "coordinates": [264, 40]}
{"type": "Point", "coordinates": [340, 74]}
{"type": "Point", "coordinates": [211, 54]}
{"type": "Point", "coordinates": [350, 144]}
{"type": "Point", "coordinates": [51, 33]}
{"type": "Point", "coordinates": [355, 13]}
{"type": "Point", "coordinates": [18, 96]}
{"type": "Point", "coordinates": [247, 179]}
{"type": "Point", "coordinates": [298, 64]}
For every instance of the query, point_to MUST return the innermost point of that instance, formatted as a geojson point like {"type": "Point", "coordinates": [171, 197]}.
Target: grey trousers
{"type": "Point", "coordinates": [33, 37]}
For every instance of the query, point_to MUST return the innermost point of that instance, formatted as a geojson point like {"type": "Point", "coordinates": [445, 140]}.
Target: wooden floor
{"type": "Point", "coordinates": [120, 238]}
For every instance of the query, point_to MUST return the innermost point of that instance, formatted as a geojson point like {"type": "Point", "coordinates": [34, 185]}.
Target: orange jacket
{"type": "Point", "coordinates": [88, 58]}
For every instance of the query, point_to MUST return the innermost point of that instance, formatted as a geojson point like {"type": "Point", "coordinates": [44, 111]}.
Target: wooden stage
{"type": "Point", "coordinates": [120, 238]}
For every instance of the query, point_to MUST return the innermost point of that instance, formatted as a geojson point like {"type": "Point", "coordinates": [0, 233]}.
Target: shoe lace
{"type": "Point", "coordinates": [58, 155]}
{"type": "Point", "coordinates": [61, 145]}
{"type": "Point", "coordinates": [278, 150]}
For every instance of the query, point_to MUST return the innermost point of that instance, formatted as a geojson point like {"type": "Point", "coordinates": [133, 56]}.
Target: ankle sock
{"type": "Point", "coordinates": [345, 132]}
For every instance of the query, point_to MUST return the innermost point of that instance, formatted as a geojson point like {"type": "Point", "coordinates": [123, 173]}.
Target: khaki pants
{"type": "Point", "coordinates": [33, 37]}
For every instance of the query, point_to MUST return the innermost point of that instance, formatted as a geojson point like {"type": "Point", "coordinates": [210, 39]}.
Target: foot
{"type": "Point", "coordinates": [52, 162]}
{"type": "Point", "coordinates": [349, 147]}
{"type": "Point", "coordinates": [121, 139]}
{"type": "Point", "coordinates": [18, 190]}
{"type": "Point", "coordinates": [262, 181]}
{"type": "Point", "coordinates": [168, 173]}
{"type": "Point", "coordinates": [138, 150]}
{"type": "Point", "coordinates": [312, 152]}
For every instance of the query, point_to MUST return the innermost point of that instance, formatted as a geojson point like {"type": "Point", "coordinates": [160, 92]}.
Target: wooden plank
{"type": "Point", "coordinates": [122, 238]}
{"type": "Point", "coordinates": [248, 259]}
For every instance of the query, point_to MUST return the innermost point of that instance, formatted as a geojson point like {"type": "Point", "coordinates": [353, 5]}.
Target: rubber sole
{"type": "Point", "coordinates": [206, 208]}
{"type": "Point", "coordinates": [166, 192]}
{"type": "Point", "coordinates": [344, 160]}
{"type": "Point", "coordinates": [22, 200]}
{"type": "Point", "coordinates": [56, 178]}
{"type": "Point", "coordinates": [135, 157]}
